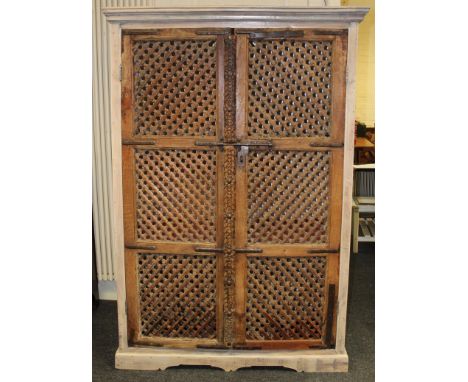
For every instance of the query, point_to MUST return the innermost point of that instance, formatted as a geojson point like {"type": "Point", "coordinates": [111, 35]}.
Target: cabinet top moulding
{"type": "Point", "coordinates": [235, 17]}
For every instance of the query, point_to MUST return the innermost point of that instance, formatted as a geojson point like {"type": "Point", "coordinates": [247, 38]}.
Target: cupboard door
{"type": "Point", "coordinates": [171, 98]}
{"type": "Point", "coordinates": [232, 174]}
{"type": "Point", "coordinates": [289, 191]}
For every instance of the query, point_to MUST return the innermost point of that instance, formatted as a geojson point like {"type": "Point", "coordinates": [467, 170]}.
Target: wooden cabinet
{"type": "Point", "coordinates": [232, 167]}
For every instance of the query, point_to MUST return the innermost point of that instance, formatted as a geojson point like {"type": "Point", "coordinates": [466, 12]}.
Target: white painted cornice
{"type": "Point", "coordinates": [236, 15]}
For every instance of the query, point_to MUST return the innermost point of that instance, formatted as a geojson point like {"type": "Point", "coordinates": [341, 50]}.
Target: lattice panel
{"type": "Point", "coordinates": [288, 196]}
{"type": "Point", "coordinates": [174, 85]}
{"type": "Point", "coordinates": [285, 298]}
{"type": "Point", "coordinates": [290, 86]}
{"type": "Point", "coordinates": [177, 295]}
{"type": "Point", "coordinates": [175, 195]}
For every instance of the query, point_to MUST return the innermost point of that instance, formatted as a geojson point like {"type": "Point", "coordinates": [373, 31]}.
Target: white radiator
{"type": "Point", "coordinates": [102, 177]}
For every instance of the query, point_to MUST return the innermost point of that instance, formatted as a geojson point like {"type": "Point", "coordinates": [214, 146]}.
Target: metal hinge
{"type": "Point", "coordinates": [221, 250]}
{"type": "Point", "coordinates": [209, 249]}
{"type": "Point", "coordinates": [138, 142]}
{"type": "Point", "coordinates": [326, 145]}
{"type": "Point", "coordinates": [324, 250]}
{"type": "Point", "coordinates": [213, 32]}
{"type": "Point", "coordinates": [140, 246]}
{"type": "Point", "coordinates": [246, 347]}
{"type": "Point", "coordinates": [235, 144]}
{"type": "Point", "coordinates": [255, 33]}
{"type": "Point", "coordinates": [214, 346]}
{"type": "Point", "coordinates": [330, 313]}
{"type": "Point", "coordinates": [248, 250]}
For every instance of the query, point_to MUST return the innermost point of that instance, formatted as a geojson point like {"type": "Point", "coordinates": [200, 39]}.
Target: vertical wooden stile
{"type": "Point", "coordinates": [241, 186]}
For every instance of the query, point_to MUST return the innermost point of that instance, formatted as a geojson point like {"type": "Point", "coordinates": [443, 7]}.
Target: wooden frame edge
{"type": "Point", "coordinates": [117, 192]}
{"type": "Point", "coordinates": [308, 361]}
{"type": "Point", "coordinates": [346, 208]}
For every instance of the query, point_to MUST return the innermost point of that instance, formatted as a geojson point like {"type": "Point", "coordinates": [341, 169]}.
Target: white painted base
{"type": "Point", "coordinates": [107, 290]}
{"type": "Point", "coordinates": [230, 360]}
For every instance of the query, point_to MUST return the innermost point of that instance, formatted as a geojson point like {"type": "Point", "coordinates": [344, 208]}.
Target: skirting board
{"type": "Point", "coordinates": [107, 290]}
{"type": "Point", "coordinates": [230, 360]}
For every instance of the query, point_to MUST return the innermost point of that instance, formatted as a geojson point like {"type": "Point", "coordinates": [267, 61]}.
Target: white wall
{"type": "Point", "coordinates": [365, 66]}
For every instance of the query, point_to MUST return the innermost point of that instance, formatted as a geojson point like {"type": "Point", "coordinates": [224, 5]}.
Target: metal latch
{"type": "Point", "coordinates": [241, 154]}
